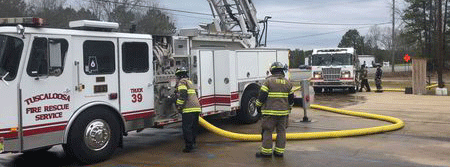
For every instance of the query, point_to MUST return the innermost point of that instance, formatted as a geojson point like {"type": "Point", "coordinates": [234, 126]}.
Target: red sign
{"type": "Point", "coordinates": [406, 58]}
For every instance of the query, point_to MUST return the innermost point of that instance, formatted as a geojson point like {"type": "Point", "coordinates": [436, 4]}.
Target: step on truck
{"type": "Point", "coordinates": [86, 87]}
{"type": "Point", "coordinates": [334, 68]}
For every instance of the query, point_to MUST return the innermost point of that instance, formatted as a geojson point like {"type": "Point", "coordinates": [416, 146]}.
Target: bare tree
{"type": "Point", "coordinates": [48, 4]}
{"type": "Point", "coordinates": [373, 37]}
{"type": "Point", "coordinates": [106, 9]}
{"type": "Point", "coordinates": [14, 8]}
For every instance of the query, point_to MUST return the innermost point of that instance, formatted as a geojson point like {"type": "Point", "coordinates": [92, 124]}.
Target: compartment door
{"type": "Point", "coordinates": [206, 80]}
{"type": "Point", "coordinates": [222, 80]}
{"type": "Point", "coordinates": [265, 59]}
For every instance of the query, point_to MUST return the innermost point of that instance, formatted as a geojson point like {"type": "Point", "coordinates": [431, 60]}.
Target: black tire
{"type": "Point", "coordinates": [38, 150]}
{"type": "Point", "coordinates": [317, 90]}
{"type": "Point", "coordinates": [89, 149]}
{"type": "Point", "coordinates": [249, 113]}
{"type": "Point", "coordinates": [352, 90]}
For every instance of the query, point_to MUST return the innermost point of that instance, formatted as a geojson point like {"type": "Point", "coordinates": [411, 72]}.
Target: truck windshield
{"type": "Point", "coordinates": [10, 53]}
{"type": "Point", "coordinates": [331, 59]}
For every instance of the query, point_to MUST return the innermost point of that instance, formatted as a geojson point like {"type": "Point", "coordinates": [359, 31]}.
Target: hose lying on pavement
{"type": "Point", "coordinates": [402, 90]}
{"type": "Point", "coordinates": [397, 124]}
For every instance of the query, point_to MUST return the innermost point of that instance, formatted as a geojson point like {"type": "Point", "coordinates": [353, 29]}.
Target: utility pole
{"type": "Point", "coordinates": [393, 35]}
{"type": "Point", "coordinates": [439, 42]}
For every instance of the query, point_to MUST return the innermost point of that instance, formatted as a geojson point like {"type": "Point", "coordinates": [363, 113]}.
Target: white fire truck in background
{"type": "Point", "coordinates": [334, 68]}
{"type": "Point", "coordinates": [87, 86]}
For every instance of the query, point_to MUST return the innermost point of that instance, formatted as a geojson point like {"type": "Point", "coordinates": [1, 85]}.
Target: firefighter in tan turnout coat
{"type": "Point", "coordinates": [187, 102]}
{"type": "Point", "coordinates": [275, 100]}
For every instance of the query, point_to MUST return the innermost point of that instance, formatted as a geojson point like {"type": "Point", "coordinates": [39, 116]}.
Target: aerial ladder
{"type": "Point", "coordinates": [238, 17]}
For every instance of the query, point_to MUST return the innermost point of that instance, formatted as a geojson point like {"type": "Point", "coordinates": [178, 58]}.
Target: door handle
{"type": "Point", "coordinates": [79, 86]}
{"type": "Point", "coordinates": [209, 81]}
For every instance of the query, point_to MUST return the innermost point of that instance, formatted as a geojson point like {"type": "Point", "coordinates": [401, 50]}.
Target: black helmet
{"type": "Point", "coordinates": [277, 67]}
{"type": "Point", "coordinates": [181, 72]}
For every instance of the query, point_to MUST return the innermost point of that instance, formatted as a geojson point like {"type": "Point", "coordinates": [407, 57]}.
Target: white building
{"type": "Point", "coordinates": [369, 60]}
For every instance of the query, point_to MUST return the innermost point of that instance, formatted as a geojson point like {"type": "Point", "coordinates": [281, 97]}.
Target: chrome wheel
{"type": "Point", "coordinates": [252, 109]}
{"type": "Point", "coordinates": [97, 134]}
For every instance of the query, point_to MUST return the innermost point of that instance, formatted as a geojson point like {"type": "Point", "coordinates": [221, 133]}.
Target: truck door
{"type": "Point", "coordinates": [96, 77]}
{"type": "Point", "coordinates": [136, 78]}
{"type": "Point", "coordinates": [46, 91]}
{"type": "Point", "coordinates": [206, 78]}
{"type": "Point", "coordinates": [12, 50]}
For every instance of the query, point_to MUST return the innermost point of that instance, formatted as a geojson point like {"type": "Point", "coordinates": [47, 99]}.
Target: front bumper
{"type": "Point", "coordinates": [321, 83]}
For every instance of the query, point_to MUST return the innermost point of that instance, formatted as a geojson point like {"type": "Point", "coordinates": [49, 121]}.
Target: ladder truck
{"type": "Point", "coordinates": [86, 87]}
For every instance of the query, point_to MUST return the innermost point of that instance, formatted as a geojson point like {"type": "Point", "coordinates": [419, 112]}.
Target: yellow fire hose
{"type": "Point", "coordinates": [397, 124]}
{"type": "Point", "coordinates": [402, 90]}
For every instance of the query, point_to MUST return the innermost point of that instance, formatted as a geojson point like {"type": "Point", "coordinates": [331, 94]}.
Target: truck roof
{"type": "Point", "coordinates": [333, 50]}
{"type": "Point", "coordinates": [71, 32]}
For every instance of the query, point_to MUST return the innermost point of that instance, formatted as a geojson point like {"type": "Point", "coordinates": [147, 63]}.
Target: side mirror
{"type": "Point", "coordinates": [55, 54]}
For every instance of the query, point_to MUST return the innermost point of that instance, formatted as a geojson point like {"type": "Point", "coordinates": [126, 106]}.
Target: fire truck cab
{"type": "Point", "coordinates": [63, 86]}
{"type": "Point", "coordinates": [334, 68]}
{"type": "Point", "coordinates": [87, 86]}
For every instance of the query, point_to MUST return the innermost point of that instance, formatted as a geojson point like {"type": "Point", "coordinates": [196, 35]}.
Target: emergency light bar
{"type": "Point", "coordinates": [332, 50]}
{"type": "Point", "coordinates": [93, 25]}
{"type": "Point", "coordinates": [25, 21]}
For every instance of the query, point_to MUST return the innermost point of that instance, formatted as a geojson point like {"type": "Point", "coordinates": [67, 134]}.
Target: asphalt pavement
{"type": "Point", "coordinates": [424, 141]}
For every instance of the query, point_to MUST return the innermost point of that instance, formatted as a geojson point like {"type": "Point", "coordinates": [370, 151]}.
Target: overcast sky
{"type": "Point", "coordinates": [298, 36]}
{"type": "Point", "coordinates": [301, 36]}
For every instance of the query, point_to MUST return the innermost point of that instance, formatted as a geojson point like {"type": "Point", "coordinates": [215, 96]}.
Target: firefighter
{"type": "Point", "coordinates": [378, 75]}
{"type": "Point", "coordinates": [187, 103]}
{"type": "Point", "coordinates": [275, 100]}
{"type": "Point", "coordinates": [363, 77]}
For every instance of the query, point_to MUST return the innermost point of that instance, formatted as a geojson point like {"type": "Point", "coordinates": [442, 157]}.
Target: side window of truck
{"type": "Point", "coordinates": [135, 57]}
{"type": "Point", "coordinates": [47, 57]}
{"type": "Point", "coordinates": [98, 57]}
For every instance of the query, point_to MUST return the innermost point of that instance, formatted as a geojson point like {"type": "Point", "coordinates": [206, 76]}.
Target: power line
{"type": "Point", "coordinates": [315, 5]}
{"type": "Point", "coordinates": [326, 24]}
{"type": "Point", "coordinates": [205, 14]}
{"type": "Point", "coordinates": [146, 6]}
{"type": "Point", "coordinates": [312, 35]}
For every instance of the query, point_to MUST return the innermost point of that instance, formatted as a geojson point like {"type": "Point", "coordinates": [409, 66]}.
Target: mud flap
{"type": "Point", "coordinates": [2, 146]}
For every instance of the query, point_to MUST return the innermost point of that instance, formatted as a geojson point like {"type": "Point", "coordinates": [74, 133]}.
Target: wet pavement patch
{"type": "Point", "coordinates": [338, 100]}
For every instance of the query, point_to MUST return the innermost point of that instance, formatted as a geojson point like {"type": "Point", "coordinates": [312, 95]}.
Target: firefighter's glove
{"type": "Point", "coordinates": [180, 108]}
